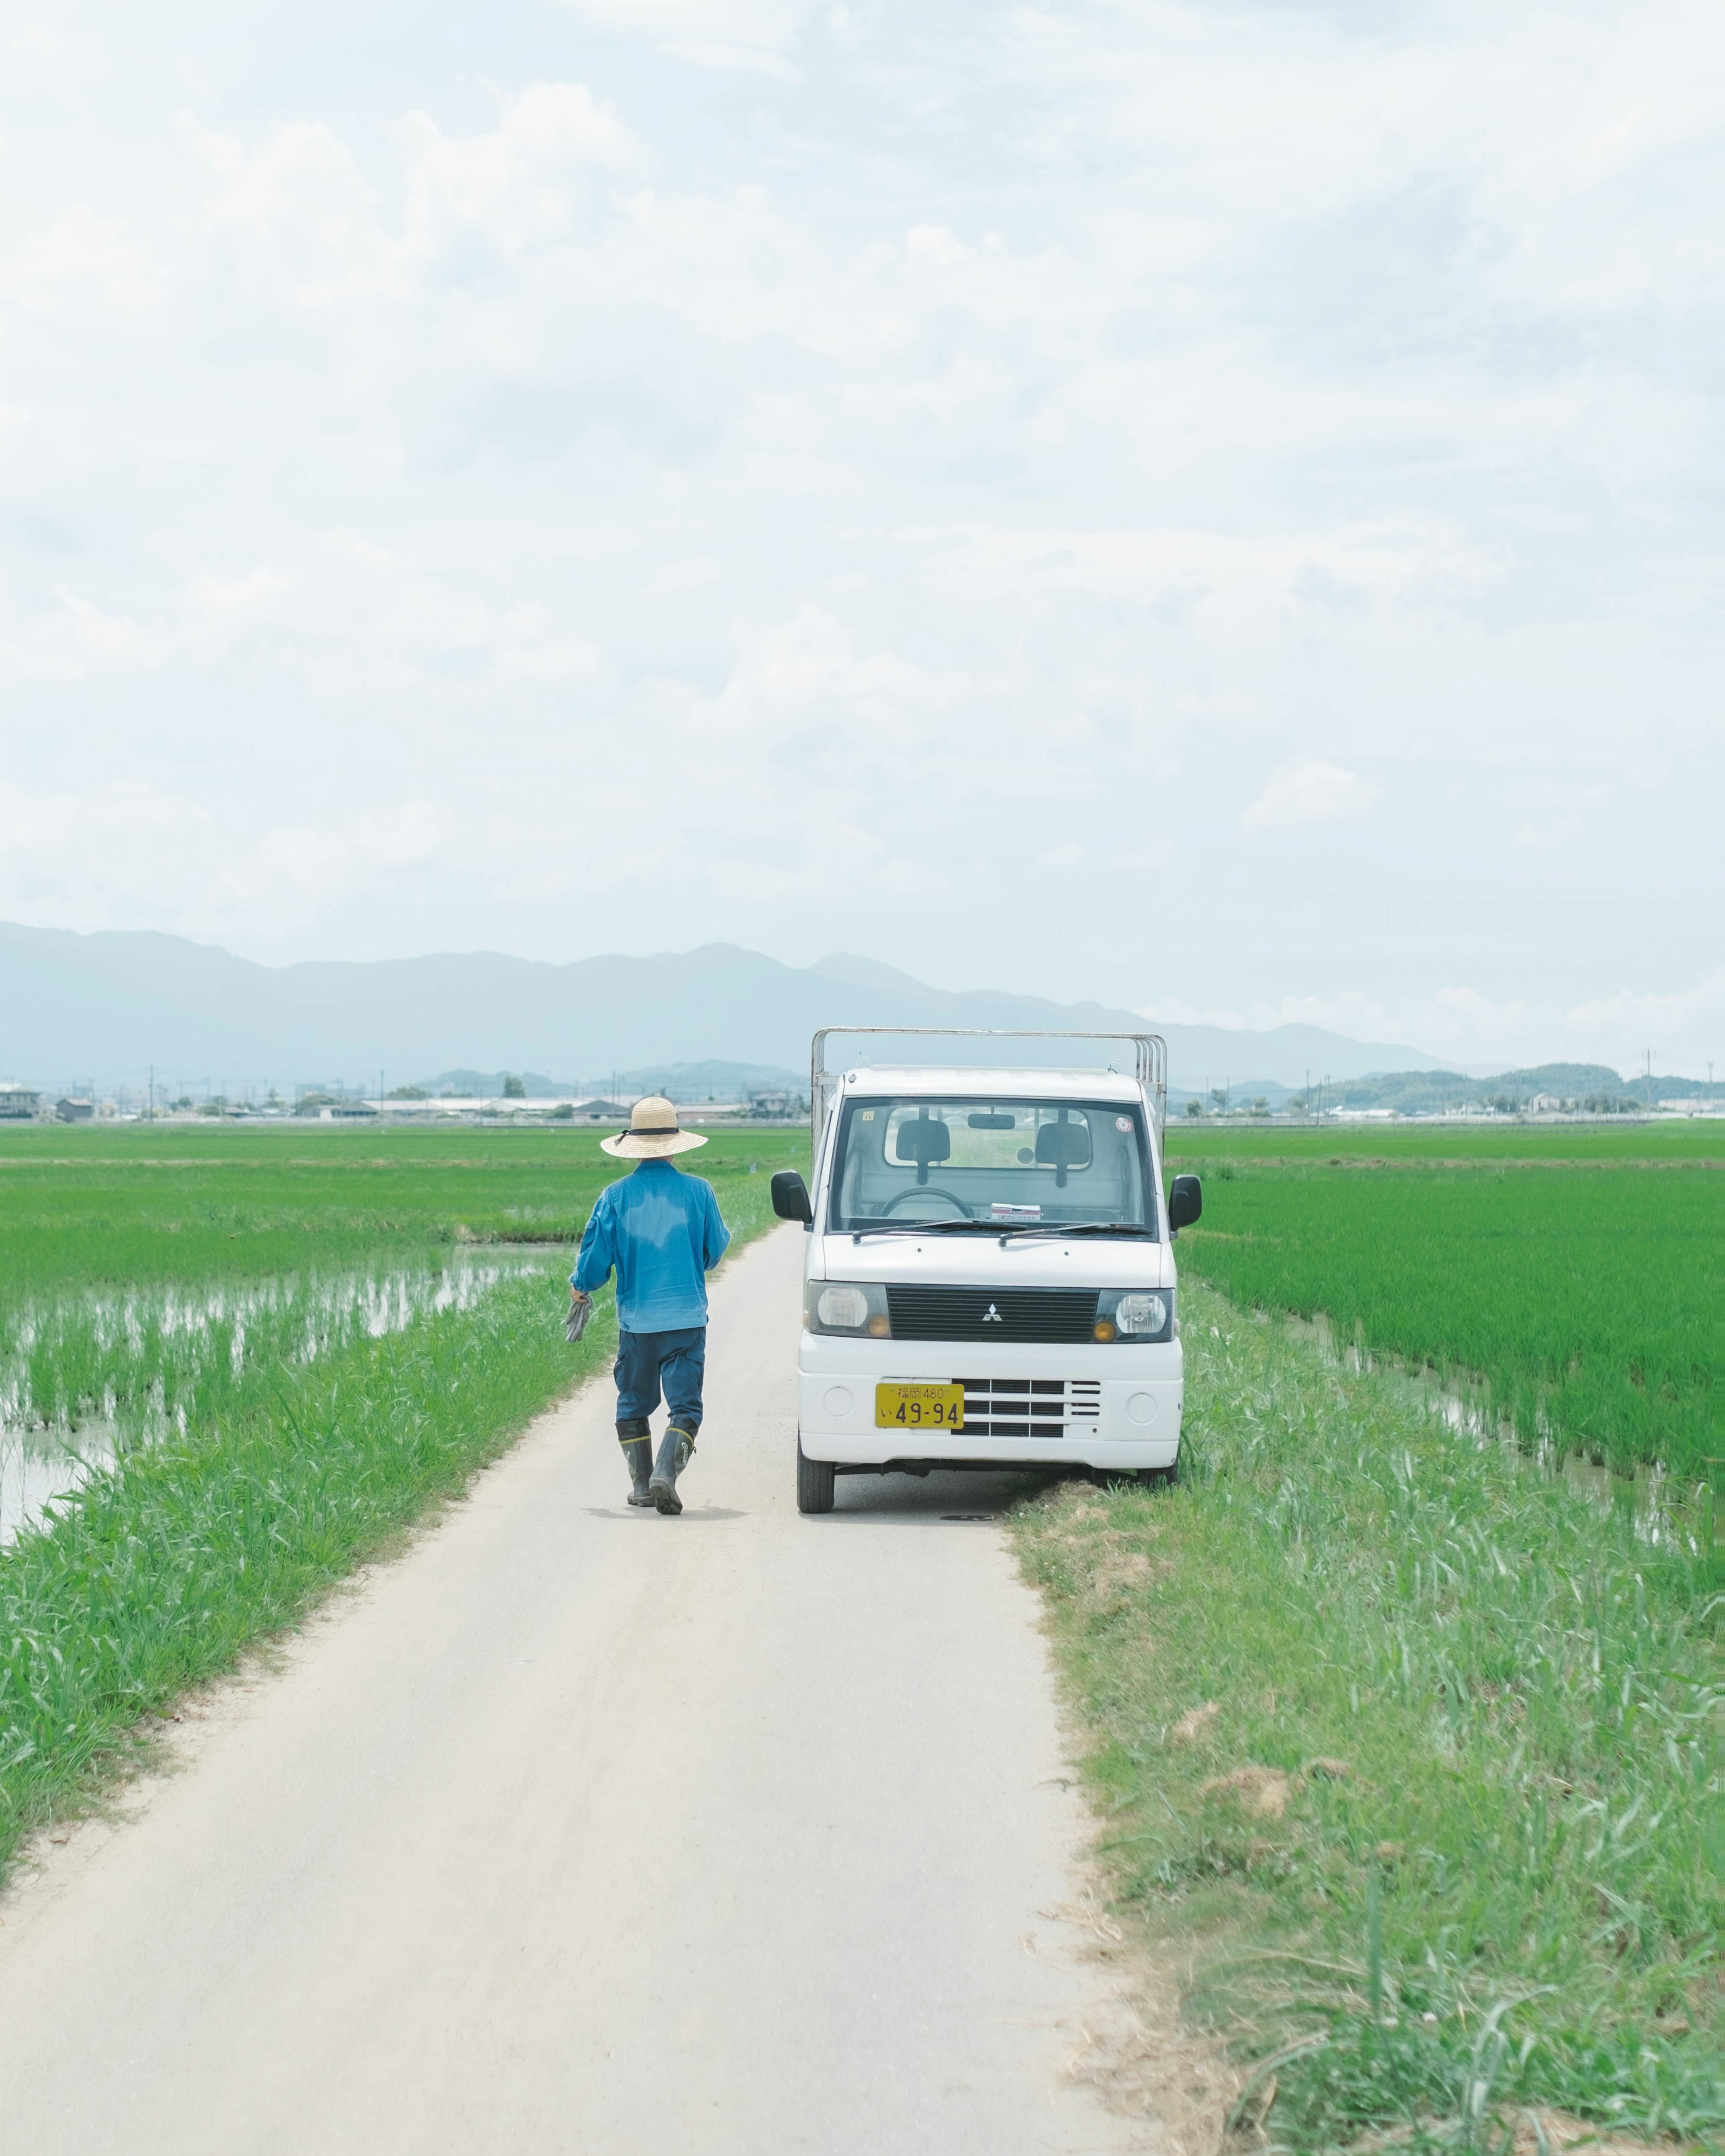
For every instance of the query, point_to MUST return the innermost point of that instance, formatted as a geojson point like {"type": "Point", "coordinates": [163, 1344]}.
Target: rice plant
{"type": "Point", "coordinates": [139, 1205]}
{"type": "Point", "coordinates": [85, 1379]}
{"type": "Point", "coordinates": [1583, 1285]}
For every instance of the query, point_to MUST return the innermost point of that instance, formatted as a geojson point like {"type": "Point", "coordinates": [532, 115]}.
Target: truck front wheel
{"type": "Point", "coordinates": [814, 1481]}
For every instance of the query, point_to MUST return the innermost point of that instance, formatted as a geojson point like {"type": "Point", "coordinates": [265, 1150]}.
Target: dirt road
{"type": "Point", "coordinates": [580, 1829]}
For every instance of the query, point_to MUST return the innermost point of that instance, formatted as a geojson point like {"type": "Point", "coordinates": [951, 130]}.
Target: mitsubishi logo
{"type": "Point", "coordinates": [992, 1317]}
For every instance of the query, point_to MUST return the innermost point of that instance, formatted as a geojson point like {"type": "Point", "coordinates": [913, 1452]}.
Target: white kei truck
{"type": "Point", "coordinates": [990, 1280]}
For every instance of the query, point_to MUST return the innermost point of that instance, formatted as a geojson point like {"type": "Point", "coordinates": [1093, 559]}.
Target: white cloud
{"type": "Point", "coordinates": [984, 464]}
{"type": "Point", "coordinates": [341, 858]}
{"type": "Point", "coordinates": [78, 859]}
{"type": "Point", "coordinates": [519, 184]}
{"type": "Point", "coordinates": [1309, 794]}
{"type": "Point", "coordinates": [226, 594]}
{"type": "Point", "coordinates": [804, 680]}
{"type": "Point", "coordinates": [547, 659]}
{"type": "Point", "coordinates": [751, 34]}
{"type": "Point", "coordinates": [933, 243]}
{"type": "Point", "coordinates": [81, 251]}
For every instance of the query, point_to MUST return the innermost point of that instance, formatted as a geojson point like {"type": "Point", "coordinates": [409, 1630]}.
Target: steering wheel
{"type": "Point", "coordinates": [924, 1190]}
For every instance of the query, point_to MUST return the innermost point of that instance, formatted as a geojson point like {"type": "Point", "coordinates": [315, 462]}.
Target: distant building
{"type": "Point", "coordinates": [774, 1101]}
{"type": "Point", "coordinates": [75, 1111]}
{"type": "Point", "coordinates": [18, 1104]}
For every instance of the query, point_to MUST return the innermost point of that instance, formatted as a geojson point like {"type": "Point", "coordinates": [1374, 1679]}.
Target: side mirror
{"type": "Point", "coordinates": [790, 1197]}
{"type": "Point", "coordinates": [1185, 1202]}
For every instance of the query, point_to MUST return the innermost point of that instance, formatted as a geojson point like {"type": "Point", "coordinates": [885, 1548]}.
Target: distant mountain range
{"type": "Point", "coordinates": [103, 1009]}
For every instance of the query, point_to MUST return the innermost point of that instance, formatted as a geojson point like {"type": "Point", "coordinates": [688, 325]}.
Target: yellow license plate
{"type": "Point", "coordinates": [919, 1406]}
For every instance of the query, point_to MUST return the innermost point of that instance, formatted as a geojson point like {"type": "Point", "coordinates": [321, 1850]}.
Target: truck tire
{"type": "Point", "coordinates": [1161, 1478]}
{"type": "Point", "coordinates": [814, 1481]}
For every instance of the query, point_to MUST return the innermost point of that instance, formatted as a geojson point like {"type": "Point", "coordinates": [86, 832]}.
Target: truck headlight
{"type": "Point", "coordinates": [855, 1307]}
{"type": "Point", "coordinates": [1136, 1313]}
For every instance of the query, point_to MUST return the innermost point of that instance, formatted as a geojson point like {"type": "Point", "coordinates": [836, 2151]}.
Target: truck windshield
{"type": "Point", "coordinates": [1003, 1164]}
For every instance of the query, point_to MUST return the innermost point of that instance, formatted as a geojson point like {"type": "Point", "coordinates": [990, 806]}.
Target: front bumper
{"type": "Point", "coordinates": [1117, 1407]}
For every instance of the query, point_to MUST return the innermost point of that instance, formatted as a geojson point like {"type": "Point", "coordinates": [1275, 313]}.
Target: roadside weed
{"type": "Point", "coordinates": [1413, 1744]}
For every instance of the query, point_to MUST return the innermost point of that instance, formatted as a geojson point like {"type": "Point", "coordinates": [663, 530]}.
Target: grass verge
{"type": "Point", "coordinates": [1408, 1747]}
{"type": "Point", "coordinates": [159, 1573]}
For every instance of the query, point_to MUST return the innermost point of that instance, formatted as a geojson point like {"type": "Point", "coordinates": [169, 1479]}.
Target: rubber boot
{"type": "Point", "coordinates": [675, 1449]}
{"type": "Point", "coordinates": [637, 1452]}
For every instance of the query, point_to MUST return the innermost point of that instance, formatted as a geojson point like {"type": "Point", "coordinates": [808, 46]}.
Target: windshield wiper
{"type": "Point", "coordinates": [923, 1228]}
{"type": "Point", "coordinates": [1073, 1228]}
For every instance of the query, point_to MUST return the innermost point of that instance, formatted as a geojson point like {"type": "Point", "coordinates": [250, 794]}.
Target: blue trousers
{"type": "Point", "coordinates": [645, 1362]}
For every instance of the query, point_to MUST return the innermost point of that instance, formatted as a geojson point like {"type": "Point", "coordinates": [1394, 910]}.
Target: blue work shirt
{"type": "Point", "coordinates": [661, 1229]}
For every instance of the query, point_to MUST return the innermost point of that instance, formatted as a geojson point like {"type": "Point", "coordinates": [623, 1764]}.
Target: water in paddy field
{"type": "Point", "coordinates": [1663, 1509]}
{"type": "Point", "coordinates": [86, 1379]}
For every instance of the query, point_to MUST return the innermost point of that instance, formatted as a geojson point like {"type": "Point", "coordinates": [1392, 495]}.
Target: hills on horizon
{"type": "Point", "coordinates": [106, 1007]}
{"type": "Point", "coordinates": [1594, 1087]}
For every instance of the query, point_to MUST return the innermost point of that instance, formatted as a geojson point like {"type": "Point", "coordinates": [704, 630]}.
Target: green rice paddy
{"type": "Point", "coordinates": [1577, 1270]}
{"type": "Point", "coordinates": [131, 1206]}
{"type": "Point", "coordinates": [151, 1278]}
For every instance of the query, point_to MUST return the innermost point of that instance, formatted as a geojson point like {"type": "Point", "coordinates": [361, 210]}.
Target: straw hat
{"type": "Point", "coordinates": [652, 1133]}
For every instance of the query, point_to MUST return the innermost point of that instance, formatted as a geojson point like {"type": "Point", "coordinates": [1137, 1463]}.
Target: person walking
{"type": "Point", "coordinates": [661, 1231]}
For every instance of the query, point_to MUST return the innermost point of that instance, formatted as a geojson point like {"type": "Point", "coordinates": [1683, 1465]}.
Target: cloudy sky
{"type": "Point", "coordinates": [1216, 507]}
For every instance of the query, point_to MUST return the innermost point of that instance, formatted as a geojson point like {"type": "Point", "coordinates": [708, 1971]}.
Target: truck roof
{"type": "Point", "coordinates": [923, 1079]}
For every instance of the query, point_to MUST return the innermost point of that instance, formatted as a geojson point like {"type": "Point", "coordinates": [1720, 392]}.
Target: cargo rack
{"type": "Point", "coordinates": [1150, 1052]}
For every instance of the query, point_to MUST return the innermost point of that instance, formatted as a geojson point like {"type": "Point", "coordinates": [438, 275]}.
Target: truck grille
{"type": "Point", "coordinates": [1030, 1407]}
{"type": "Point", "coordinates": [1003, 1314]}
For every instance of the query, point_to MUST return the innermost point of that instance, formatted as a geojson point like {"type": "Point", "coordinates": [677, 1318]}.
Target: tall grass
{"type": "Point", "coordinates": [160, 1570]}
{"type": "Point", "coordinates": [1412, 1745]}
{"type": "Point", "coordinates": [1586, 1297]}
